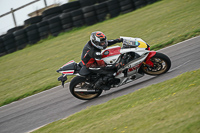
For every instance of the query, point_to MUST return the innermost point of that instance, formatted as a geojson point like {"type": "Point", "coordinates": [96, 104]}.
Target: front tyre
{"type": "Point", "coordinates": [80, 83]}
{"type": "Point", "coordinates": [162, 64]}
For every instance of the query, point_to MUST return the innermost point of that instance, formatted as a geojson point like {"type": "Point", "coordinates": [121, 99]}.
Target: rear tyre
{"type": "Point", "coordinates": [80, 82]}
{"type": "Point", "coordinates": [162, 64]}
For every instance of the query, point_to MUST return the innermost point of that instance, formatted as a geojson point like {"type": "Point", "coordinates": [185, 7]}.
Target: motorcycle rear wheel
{"type": "Point", "coordinates": [162, 64]}
{"type": "Point", "coordinates": [80, 82]}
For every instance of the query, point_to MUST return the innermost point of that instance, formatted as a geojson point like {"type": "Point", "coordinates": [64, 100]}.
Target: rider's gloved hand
{"type": "Point", "coordinates": [120, 39]}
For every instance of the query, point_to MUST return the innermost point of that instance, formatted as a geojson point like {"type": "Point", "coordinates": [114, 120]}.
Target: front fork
{"type": "Point", "coordinates": [148, 62]}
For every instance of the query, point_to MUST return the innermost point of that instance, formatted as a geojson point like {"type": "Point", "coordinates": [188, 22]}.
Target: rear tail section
{"type": "Point", "coordinates": [69, 68]}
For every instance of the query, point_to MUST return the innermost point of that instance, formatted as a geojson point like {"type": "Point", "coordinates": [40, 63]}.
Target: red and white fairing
{"type": "Point", "coordinates": [110, 55]}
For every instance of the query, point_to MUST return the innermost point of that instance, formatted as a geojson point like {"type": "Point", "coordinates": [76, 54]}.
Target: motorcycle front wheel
{"type": "Point", "coordinates": [80, 83]}
{"type": "Point", "coordinates": [162, 64]}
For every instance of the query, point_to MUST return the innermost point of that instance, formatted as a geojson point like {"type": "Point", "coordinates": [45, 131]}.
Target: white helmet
{"type": "Point", "coordinates": [99, 40]}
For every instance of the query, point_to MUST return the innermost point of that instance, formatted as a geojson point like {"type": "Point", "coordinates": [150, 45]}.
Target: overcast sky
{"type": "Point", "coordinates": [7, 22]}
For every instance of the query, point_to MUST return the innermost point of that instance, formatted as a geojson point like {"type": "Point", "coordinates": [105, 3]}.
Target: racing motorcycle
{"type": "Point", "coordinates": [137, 60]}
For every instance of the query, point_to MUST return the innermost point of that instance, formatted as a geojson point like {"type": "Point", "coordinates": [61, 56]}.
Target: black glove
{"type": "Point", "coordinates": [120, 39]}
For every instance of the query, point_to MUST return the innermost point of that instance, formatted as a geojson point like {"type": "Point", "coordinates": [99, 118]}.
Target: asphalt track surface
{"type": "Point", "coordinates": [57, 103]}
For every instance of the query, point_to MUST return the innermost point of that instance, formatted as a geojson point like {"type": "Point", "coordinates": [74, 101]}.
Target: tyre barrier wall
{"type": "Point", "coordinates": [68, 7]}
{"type": "Point", "coordinates": [21, 39]}
{"type": "Point", "coordinates": [32, 34]}
{"type": "Point", "coordinates": [101, 11]}
{"type": "Point", "coordinates": [64, 18]}
{"type": "Point", "coordinates": [113, 8]}
{"type": "Point", "coordinates": [9, 43]}
{"type": "Point", "coordinates": [77, 18]}
{"type": "Point", "coordinates": [89, 15]}
{"type": "Point", "coordinates": [55, 25]}
{"type": "Point", "coordinates": [43, 29]}
{"type": "Point", "coordinates": [52, 12]}
{"type": "Point", "coordinates": [2, 47]}
{"type": "Point", "coordinates": [66, 21]}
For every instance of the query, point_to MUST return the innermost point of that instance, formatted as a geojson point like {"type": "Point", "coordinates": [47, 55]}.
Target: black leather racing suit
{"type": "Point", "coordinates": [91, 58]}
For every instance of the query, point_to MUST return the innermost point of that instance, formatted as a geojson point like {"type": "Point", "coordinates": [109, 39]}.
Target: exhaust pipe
{"type": "Point", "coordinates": [85, 90]}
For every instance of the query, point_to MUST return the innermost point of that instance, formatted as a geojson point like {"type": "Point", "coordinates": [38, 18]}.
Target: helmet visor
{"type": "Point", "coordinates": [103, 43]}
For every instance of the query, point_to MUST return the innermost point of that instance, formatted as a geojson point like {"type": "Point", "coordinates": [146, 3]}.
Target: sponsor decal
{"type": "Point", "coordinates": [68, 72]}
{"type": "Point", "coordinates": [131, 68]}
{"type": "Point", "coordinates": [134, 68]}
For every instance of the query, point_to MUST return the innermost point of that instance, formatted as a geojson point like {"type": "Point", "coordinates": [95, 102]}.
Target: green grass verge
{"type": "Point", "coordinates": [171, 106]}
{"type": "Point", "coordinates": [33, 69]}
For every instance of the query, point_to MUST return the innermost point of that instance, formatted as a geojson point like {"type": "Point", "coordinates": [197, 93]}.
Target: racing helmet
{"type": "Point", "coordinates": [99, 40]}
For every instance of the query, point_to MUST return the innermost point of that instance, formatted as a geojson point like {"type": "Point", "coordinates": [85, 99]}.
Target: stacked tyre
{"type": "Point", "coordinates": [43, 29]}
{"type": "Point", "coordinates": [151, 1]}
{"type": "Point", "coordinates": [14, 29]}
{"type": "Point", "coordinates": [51, 12]}
{"type": "Point", "coordinates": [89, 15]}
{"type": "Point", "coordinates": [139, 3]}
{"type": "Point", "coordinates": [55, 25]}
{"type": "Point", "coordinates": [77, 18]}
{"type": "Point", "coordinates": [101, 11]}
{"type": "Point", "coordinates": [33, 20]}
{"type": "Point", "coordinates": [9, 43]}
{"type": "Point", "coordinates": [32, 34]}
{"type": "Point", "coordinates": [113, 8]}
{"type": "Point", "coordinates": [85, 3]}
{"type": "Point", "coordinates": [100, 1]}
{"type": "Point", "coordinates": [66, 21]}
{"type": "Point", "coordinates": [2, 47]}
{"type": "Point", "coordinates": [20, 38]}
{"type": "Point", "coordinates": [71, 6]}
{"type": "Point", "coordinates": [126, 6]}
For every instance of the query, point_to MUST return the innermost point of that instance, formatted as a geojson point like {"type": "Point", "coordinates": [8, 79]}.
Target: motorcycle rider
{"type": "Point", "coordinates": [91, 58]}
